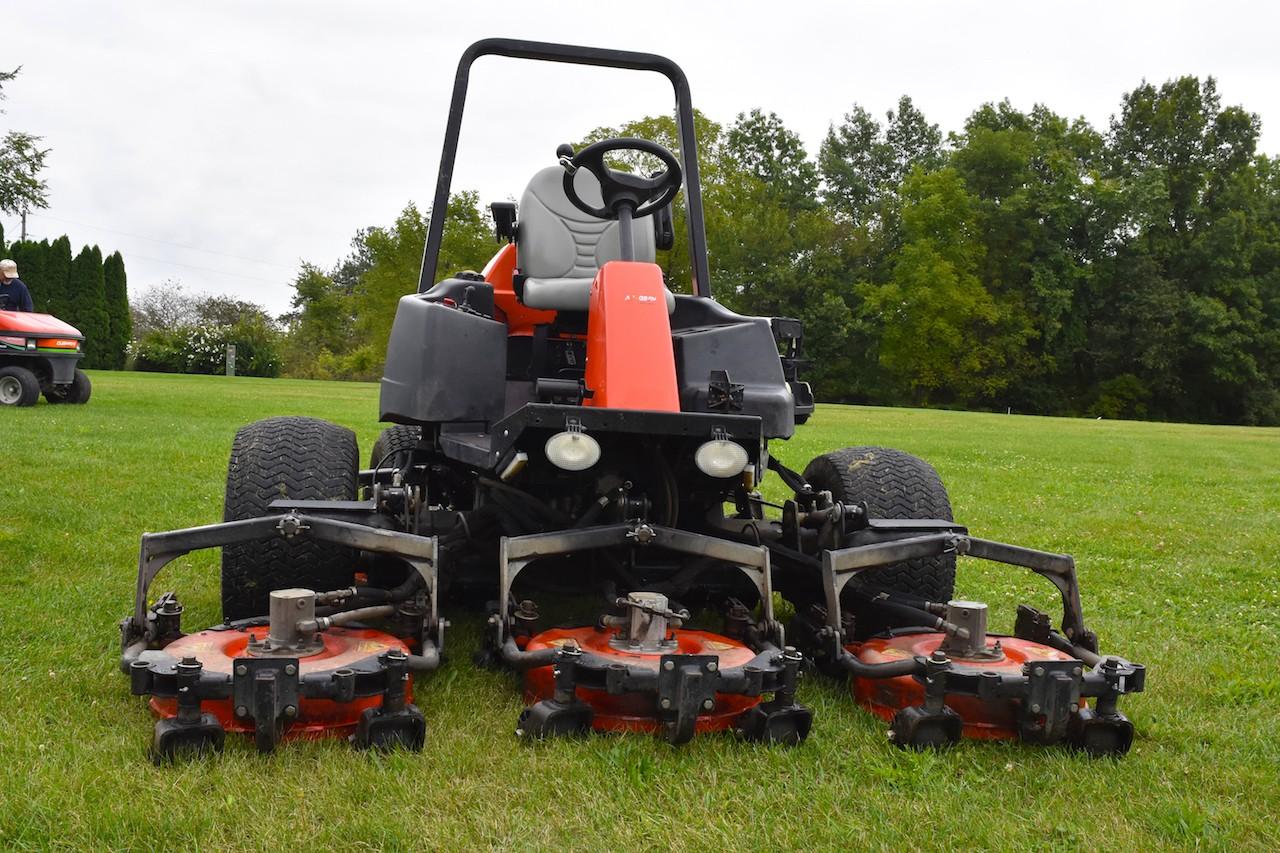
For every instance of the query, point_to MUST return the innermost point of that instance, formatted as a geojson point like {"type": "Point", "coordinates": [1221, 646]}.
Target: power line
{"type": "Point", "coordinates": [207, 269]}
{"type": "Point", "coordinates": [165, 242]}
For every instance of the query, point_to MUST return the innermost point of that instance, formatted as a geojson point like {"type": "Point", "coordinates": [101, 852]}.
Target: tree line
{"type": "Point", "coordinates": [1028, 261]}
{"type": "Point", "coordinates": [86, 290]}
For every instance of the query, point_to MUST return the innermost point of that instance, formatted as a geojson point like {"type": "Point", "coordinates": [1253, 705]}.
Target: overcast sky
{"type": "Point", "coordinates": [220, 144]}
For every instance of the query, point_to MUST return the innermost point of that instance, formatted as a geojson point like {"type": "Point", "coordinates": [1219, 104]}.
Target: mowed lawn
{"type": "Point", "coordinates": [1176, 530]}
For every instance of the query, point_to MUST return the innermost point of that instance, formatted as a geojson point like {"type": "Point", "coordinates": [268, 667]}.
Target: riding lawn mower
{"type": "Point", "coordinates": [578, 450]}
{"type": "Point", "coordinates": [38, 355]}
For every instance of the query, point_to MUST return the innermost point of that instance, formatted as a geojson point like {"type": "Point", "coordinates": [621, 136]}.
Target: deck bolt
{"type": "Point", "coordinates": [242, 711]}
{"type": "Point", "coordinates": [1076, 671]}
{"type": "Point", "coordinates": [666, 703]}
{"type": "Point", "coordinates": [1039, 670]}
{"type": "Point", "coordinates": [708, 703]}
{"type": "Point", "coordinates": [290, 711]}
{"type": "Point", "coordinates": [1074, 707]}
{"type": "Point", "coordinates": [1035, 709]}
{"type": "Point", "coordinates": [290, 670]}
{"type": "Point", "coordinates": [712, 666]}
{"type": "Point", "coordinates": [669, 665]}
{"type": "Point", "coordinates": [242, 670]}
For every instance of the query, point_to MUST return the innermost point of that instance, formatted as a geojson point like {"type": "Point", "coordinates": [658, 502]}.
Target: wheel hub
{"type": "Point", "coordinates": [10, 390]}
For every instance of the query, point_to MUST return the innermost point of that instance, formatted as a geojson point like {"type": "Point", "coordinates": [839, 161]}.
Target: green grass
{"type": "Point", "coordinates": [1176, 530]}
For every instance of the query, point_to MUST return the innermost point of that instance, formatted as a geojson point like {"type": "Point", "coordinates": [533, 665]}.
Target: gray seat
{"type": "Point", "coordinates": [561, 248]}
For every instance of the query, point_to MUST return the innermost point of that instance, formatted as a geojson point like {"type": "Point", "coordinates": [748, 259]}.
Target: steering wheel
{"type": "Point", "coordinates": [618, 189]}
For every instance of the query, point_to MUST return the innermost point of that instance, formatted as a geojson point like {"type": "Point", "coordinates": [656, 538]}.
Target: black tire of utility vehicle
{"type": "Point", "coordinates": [287, 457]}
{"type": "Point", "coordinates": [894, 485]}
{"type": "Point", "coordinates": [76, 393]}
{"type": "Point", "coordinates": [18, 386]}
{"type": "Point", "coordinates": [400, 438]}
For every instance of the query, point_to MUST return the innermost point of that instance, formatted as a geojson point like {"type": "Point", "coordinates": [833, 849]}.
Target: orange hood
{"type": "Point", "coordinates": [45, 325]}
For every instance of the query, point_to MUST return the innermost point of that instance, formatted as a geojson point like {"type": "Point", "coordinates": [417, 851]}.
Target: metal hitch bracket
{"type": "Point", "coordinates": [160, 549]}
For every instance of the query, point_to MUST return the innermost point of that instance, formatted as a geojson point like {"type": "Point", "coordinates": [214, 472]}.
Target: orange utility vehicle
{"type": "Point", "coordinates": [38, 355]}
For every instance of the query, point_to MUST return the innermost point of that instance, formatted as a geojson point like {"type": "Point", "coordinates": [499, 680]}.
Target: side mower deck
{"type": "Point", "coordinates": [949, 678]}
{"type": "Point", "coordinates": [294, 673]}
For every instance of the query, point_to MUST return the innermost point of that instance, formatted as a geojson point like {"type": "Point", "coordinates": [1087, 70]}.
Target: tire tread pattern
{"type": "Point", "coordinates": [285, 457]}
{"type": "Point", "coordinates": [77, 393]}
{"type": "Point", "coordinates": [395, 439]}
{"type": "Point", "coordinates": [894, 484]}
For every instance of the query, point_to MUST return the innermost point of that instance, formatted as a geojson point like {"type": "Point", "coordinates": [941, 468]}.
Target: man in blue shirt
{"type": "Point", "coordinates": [14, 295]}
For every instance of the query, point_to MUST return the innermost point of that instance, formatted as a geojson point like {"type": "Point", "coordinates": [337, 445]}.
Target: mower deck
{"type": "Point", "coordinates": [294, 673]}
{"type": "Point", "coordinates": [343, 653]}
{"type": "Point", "coordinates": [936, 686]}
{"type": "Point", "coordinates": [639, 712]}
{"type": "Point", "coordinates": [642, 671]}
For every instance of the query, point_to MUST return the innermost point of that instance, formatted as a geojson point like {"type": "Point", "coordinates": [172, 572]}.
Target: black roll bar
{"type": "Point", "coordinates": [576, 55]}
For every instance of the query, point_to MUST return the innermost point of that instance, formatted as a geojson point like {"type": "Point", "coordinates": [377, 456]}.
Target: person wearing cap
{"type": "Point", "coordinates": [14, 295]}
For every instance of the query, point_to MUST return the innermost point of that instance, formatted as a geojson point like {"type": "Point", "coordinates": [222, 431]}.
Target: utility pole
{"type": "Point", "coordinates": [24, 224]}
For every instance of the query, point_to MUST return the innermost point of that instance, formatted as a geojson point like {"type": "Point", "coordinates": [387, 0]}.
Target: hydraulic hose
{"type": "Point", "coordinates": [377, 595]}
{"type": "Point", "coordinates": [520, 659]}
{"type": "Point", "coordinates": [875, 593]}
{"type": "Point", "coordinates": [346, 617]}
{"type": "Point", "coordinates": [428, 661]}
{"type": "Point", "coordinates": [1062, 644]}
{"type": "Point", "coordinates": [892, 669]}
{"type": "Point", "coordinates": [925, 618]}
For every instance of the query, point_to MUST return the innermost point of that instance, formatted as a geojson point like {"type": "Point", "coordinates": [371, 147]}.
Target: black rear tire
{"type": "Point", "coordinates": [894, 485]}
{"type": "Point", "coordinates": [400, 438]}
{"type": "Point", "coordinates": [18, 386]}
{"type": "Point", "coordinates": [76, 393]}
{"type": "Point", "coordinates": [286, 457]}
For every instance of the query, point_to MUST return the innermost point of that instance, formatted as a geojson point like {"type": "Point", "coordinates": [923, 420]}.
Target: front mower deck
{"type": "Point", "coordinates": [642, 671]}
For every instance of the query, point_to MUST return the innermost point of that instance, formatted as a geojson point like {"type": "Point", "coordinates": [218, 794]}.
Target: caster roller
{"type": "Point", "coordinates": [785, 726]}
{"type": "Point", "coordinates": [175, 739]}
{"type": "Point", "coordinates": [550, 718]}
{"type": "Point", "coordinates": [1100, 735]}
{"type": "Point", "coordinates": [386, 731]}
{"type": "Point", "coordinates": [920, 729]}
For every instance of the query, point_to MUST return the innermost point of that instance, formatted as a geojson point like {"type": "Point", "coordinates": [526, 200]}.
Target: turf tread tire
{"type": "Point", "coordinates": [285, 457]}
{"type": "Point", "coordinates": [77, 393]}
{"type": "Point", "coordinates": [893, 484]}
{"type": "Point", "coordinates": [28, 385]}
{"type": "Point", "coordinates": [395, 439]}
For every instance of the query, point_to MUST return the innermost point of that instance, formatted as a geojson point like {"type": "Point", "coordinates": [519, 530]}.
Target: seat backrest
{"type": "Point", "coordinates": [560, 247]}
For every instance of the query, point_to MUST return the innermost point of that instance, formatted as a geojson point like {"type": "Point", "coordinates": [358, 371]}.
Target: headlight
{"type": "Point", "coordinates": [721, 458]}
{"type": "Point", "coordinates": [572, 451]}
